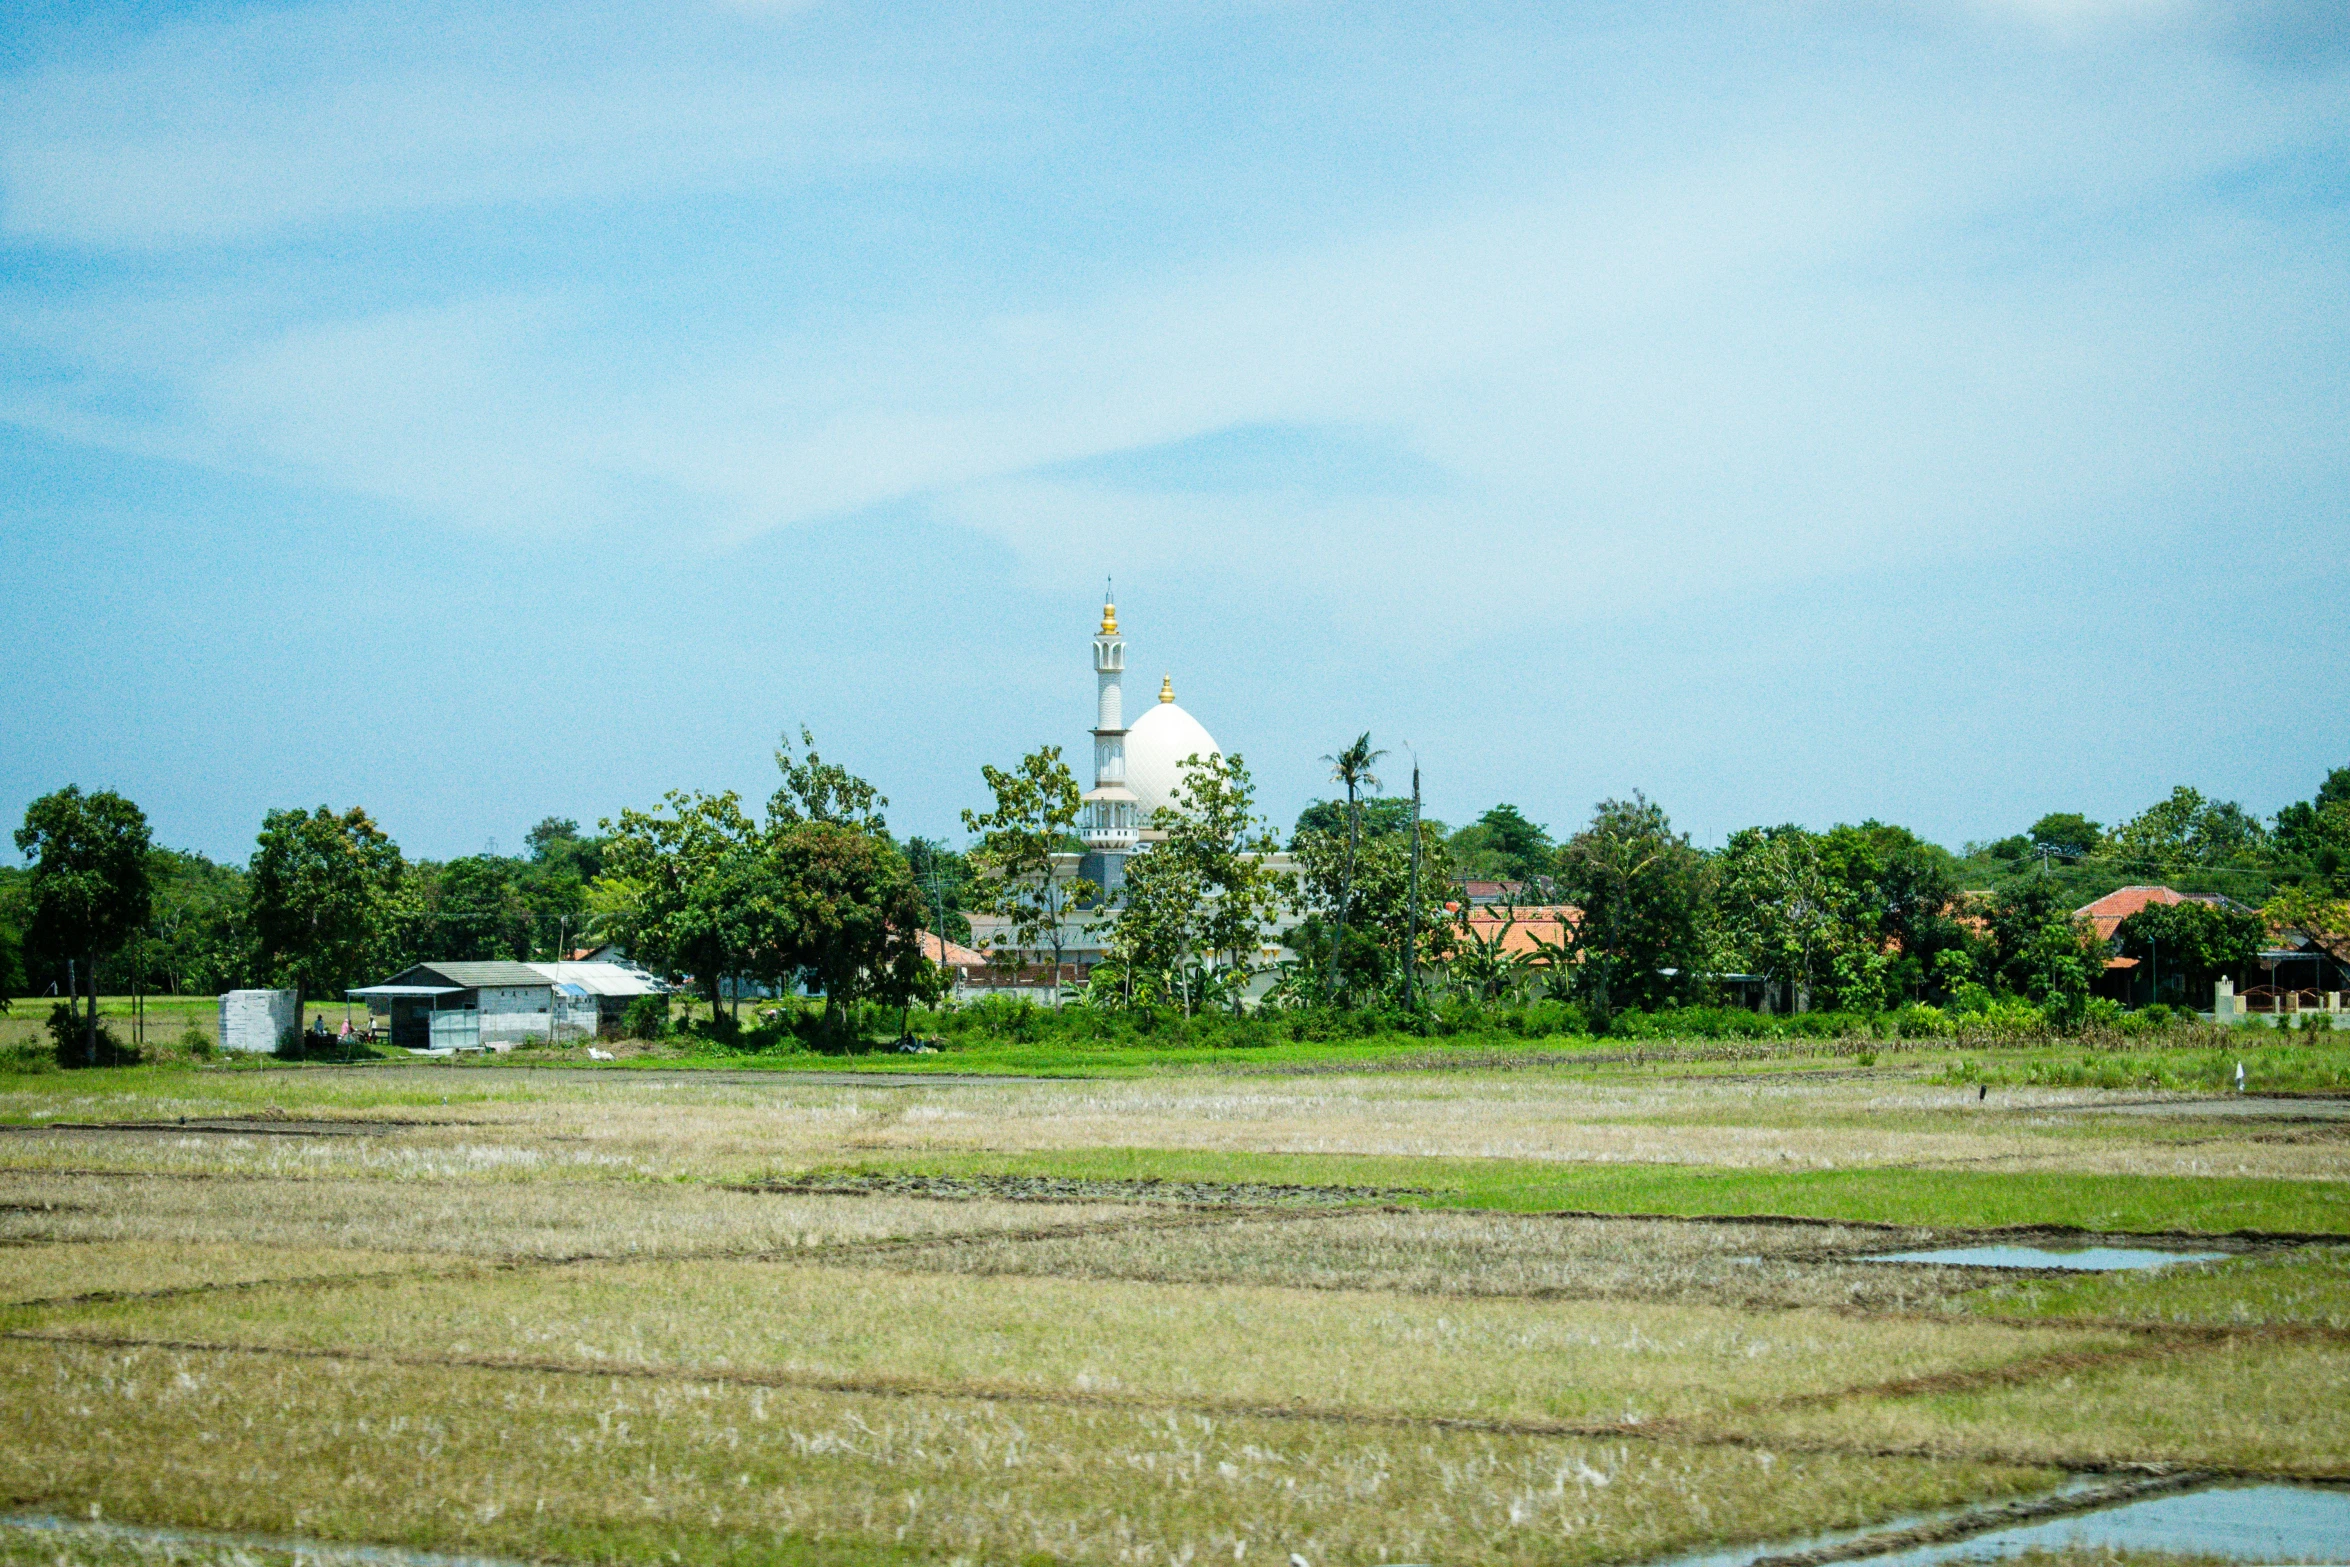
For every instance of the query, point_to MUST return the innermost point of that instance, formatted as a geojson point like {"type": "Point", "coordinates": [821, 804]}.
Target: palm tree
{"type": "Point", "coordinates": [1351, 767]}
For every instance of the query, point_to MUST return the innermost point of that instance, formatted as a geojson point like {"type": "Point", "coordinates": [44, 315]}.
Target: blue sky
{"type": "Point", "coordinates": [1799, 411]}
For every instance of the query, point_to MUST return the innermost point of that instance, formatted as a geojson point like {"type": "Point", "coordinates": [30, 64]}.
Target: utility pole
{"type": "Point", "coordinates": [1411, 918]}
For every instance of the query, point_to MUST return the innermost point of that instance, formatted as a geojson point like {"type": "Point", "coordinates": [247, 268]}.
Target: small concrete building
{"type": "Point", "coordinates": [610, 985]}
{"type": "Point", "coordinates": [498, 1005]}
{"type": "Point", "coordinates": [257, 1021]}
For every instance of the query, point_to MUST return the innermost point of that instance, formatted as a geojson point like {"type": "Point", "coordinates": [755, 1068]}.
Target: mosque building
{"type": "Point", "coordinates": [1137, 770]}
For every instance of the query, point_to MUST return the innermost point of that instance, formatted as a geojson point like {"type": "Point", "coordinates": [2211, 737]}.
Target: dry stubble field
{"type": "Point", "coordinates": [668, 1316]}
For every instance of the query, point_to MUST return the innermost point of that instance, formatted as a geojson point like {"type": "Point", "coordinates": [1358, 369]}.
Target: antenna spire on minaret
{"type": "Point", "coordinates": [1109, 609]}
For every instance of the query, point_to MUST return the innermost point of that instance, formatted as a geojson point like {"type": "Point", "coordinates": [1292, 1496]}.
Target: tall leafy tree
{"type": "Point", "coordinates": [687, 889]}
{"type": "Point", "coordinates": [1378, 892]}
{"type": "Point", "coordinates": [2067, 835]}
{"type": "Point", "coordinates": [1503, 844]}
{"type": "Point", "coordinates": [1197, 904]}
{"type": "Point", "coordinates": [945, 880]}
{"type": "Point", "coordinates": [199, 935]}
{"type": "Point", "coordinates": [1381, 814]}
{"type": "Point", "coordinates": [814, 790]}
{"type": "Point", "coordinates": [1024, 876]}
{"type": "Point", "coordinates": [481, 911]}
{"type": "Point", "coordinates": [89, 891]}
{"type": "Point", "coordinates": [1156, 926]}
{"type": "Point", "coordinates": [2039, 951]}
{"type": "Point", "coordinates": [1894, 898]}
{"type": "Point", "coordinates": [1782, 908]}
{"type": "Point", "coordinates": [1351, 769]}
{"type": "Point", "coordinates": [851, 913]}
{"type": "Point", "coordinates": [2316, 831]}
{"type": "Point", "coordinates": [2188, 945]}
{"type": "Point", "coordinates": [1641, 888]}
{"type": "Point", "coordinates": [323, 891]}
{"type": "Point", "coordinates": [2185, 831]}
{"type": "Point", "coordinates": [553, 882]}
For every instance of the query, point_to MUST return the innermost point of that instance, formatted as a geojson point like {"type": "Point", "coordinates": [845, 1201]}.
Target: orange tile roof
{"type": "Point", "coordinates": [1535, 925]}
{"type": "Point", "coordinates": [2107, 913]}
{"type": "Point", "coordinates": [955, 952]}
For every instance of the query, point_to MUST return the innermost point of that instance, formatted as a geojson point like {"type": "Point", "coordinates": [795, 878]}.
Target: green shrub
{"type": "Point", "coordinates": [2009, 1017]}
{"type": "Point", "coordinates": [196, 1043]}
{"type": "Point", "coordinates": [647, 1017]}
{"type": "Point", "coordinates": [70, 1043]}
{"type": "Point", "coordinates": [1919, 1021]}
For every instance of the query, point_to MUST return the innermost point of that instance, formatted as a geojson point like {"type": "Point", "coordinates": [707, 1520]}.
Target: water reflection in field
{"type": "Point", "coordinates": [2080, 1259]}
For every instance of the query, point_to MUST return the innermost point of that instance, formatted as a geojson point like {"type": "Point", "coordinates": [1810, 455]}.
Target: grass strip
{"type": "Point", "coordinates": [1667, 1430]}
{"type": "Point", "coordinates": [610, 1470]}
{"type": "Point", "coordinates": [1944, 1199]}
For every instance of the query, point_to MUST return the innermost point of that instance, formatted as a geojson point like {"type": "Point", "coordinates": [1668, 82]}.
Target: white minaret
{"type": "Point", "coordinates": [1113, 818]}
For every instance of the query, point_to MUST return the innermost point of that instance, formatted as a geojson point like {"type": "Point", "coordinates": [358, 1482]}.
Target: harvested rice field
{"type": "Point", "coordinates": [412, 1316]}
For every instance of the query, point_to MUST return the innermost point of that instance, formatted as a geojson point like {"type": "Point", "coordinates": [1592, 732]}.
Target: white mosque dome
{"type": "Point", "coordinates": [1155, 749]}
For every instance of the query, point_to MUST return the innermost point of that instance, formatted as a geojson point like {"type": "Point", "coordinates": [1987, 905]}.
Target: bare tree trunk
{"type": "Point", "coordinates": [90, 1023]}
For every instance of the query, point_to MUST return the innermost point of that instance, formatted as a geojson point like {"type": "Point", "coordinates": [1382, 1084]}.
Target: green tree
{"type": "Point", "coordinates": [199, 938]}
{"type": "Point", "coordinates": [1895, 900]}
{"type": "Point", "coordinates": [685, 887]}
{"type": "Point", "coordinates": [1502, 844]}
{"type": "Point", "coordinates": [2185, 831]}
{"type": "Point", "coordinates": [2185, 946]}
{"type": "Point", "coordinates": [945, 879]}
{"type": "Point", "coordinates": [1351, 769]}
{"type": "Point", "coordinates": [1642, 890]}
{"type": "Point", "coordinates": [481, 912]}
{"type": "Point", "coordinates": [1380, 815]}
{"type": "Point", "coordinates": [1198, 904]}
{"type": "Point", "coordinates": [814, 790]}
{"type": "Point", "coordinates": [1783, 910]}
{"type": "Point", "coordinates": [553, 883]}
{"type": "Point", "coordinates": [323, 891]}
{"type": "Point", "coordinates": [2316, 831]}
{"type": "Point", "coordinates": [2038, 950]}
{"type": "Point", "coordinates": [1025, 878]}
{"type": "Point", "coordinates": [1378, 908]}
{"type": "Point", "coordinates": [2310, 906]}
{"type": "Point", "coordinates": [12, 970]}
{"type": "Point", "coordinates": [2067, 835]}
{"type": "Point", "coordinates": [853, 916]}
{"type": "Point", "coordinates": [1155, 925]}
{"type": "Point", "coordinates": [89, 890]}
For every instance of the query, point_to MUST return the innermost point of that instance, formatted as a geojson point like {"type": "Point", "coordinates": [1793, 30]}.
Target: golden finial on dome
{"type": "Point", "coordinates": [1166, 688]}
{"type": "Point", "coordinates": [1109, 612]}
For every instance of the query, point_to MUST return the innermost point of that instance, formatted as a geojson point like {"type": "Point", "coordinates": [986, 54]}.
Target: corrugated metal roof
{"type": "Point", "coordinates": [602, 979]}
{"type": "Point", "coordinates": [473, 976]}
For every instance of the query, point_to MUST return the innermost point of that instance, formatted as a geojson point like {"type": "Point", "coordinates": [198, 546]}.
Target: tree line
{"type": "Point", "coordinates": [815, 890]}
{"type": "Point", "coordinates": [1861, 917]}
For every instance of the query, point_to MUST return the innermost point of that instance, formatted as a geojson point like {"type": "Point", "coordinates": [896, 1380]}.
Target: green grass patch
{"type": "Point", "coordinates": [2310, 1285]}
{"type": "Point", "coordinates": [1954, 1199]}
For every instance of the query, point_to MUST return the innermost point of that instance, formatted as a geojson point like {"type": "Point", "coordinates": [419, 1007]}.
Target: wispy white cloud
{"type": "Point", "coordinates": [290, 118]}
{"type": "Point", "coordinates": [1842, 330]}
